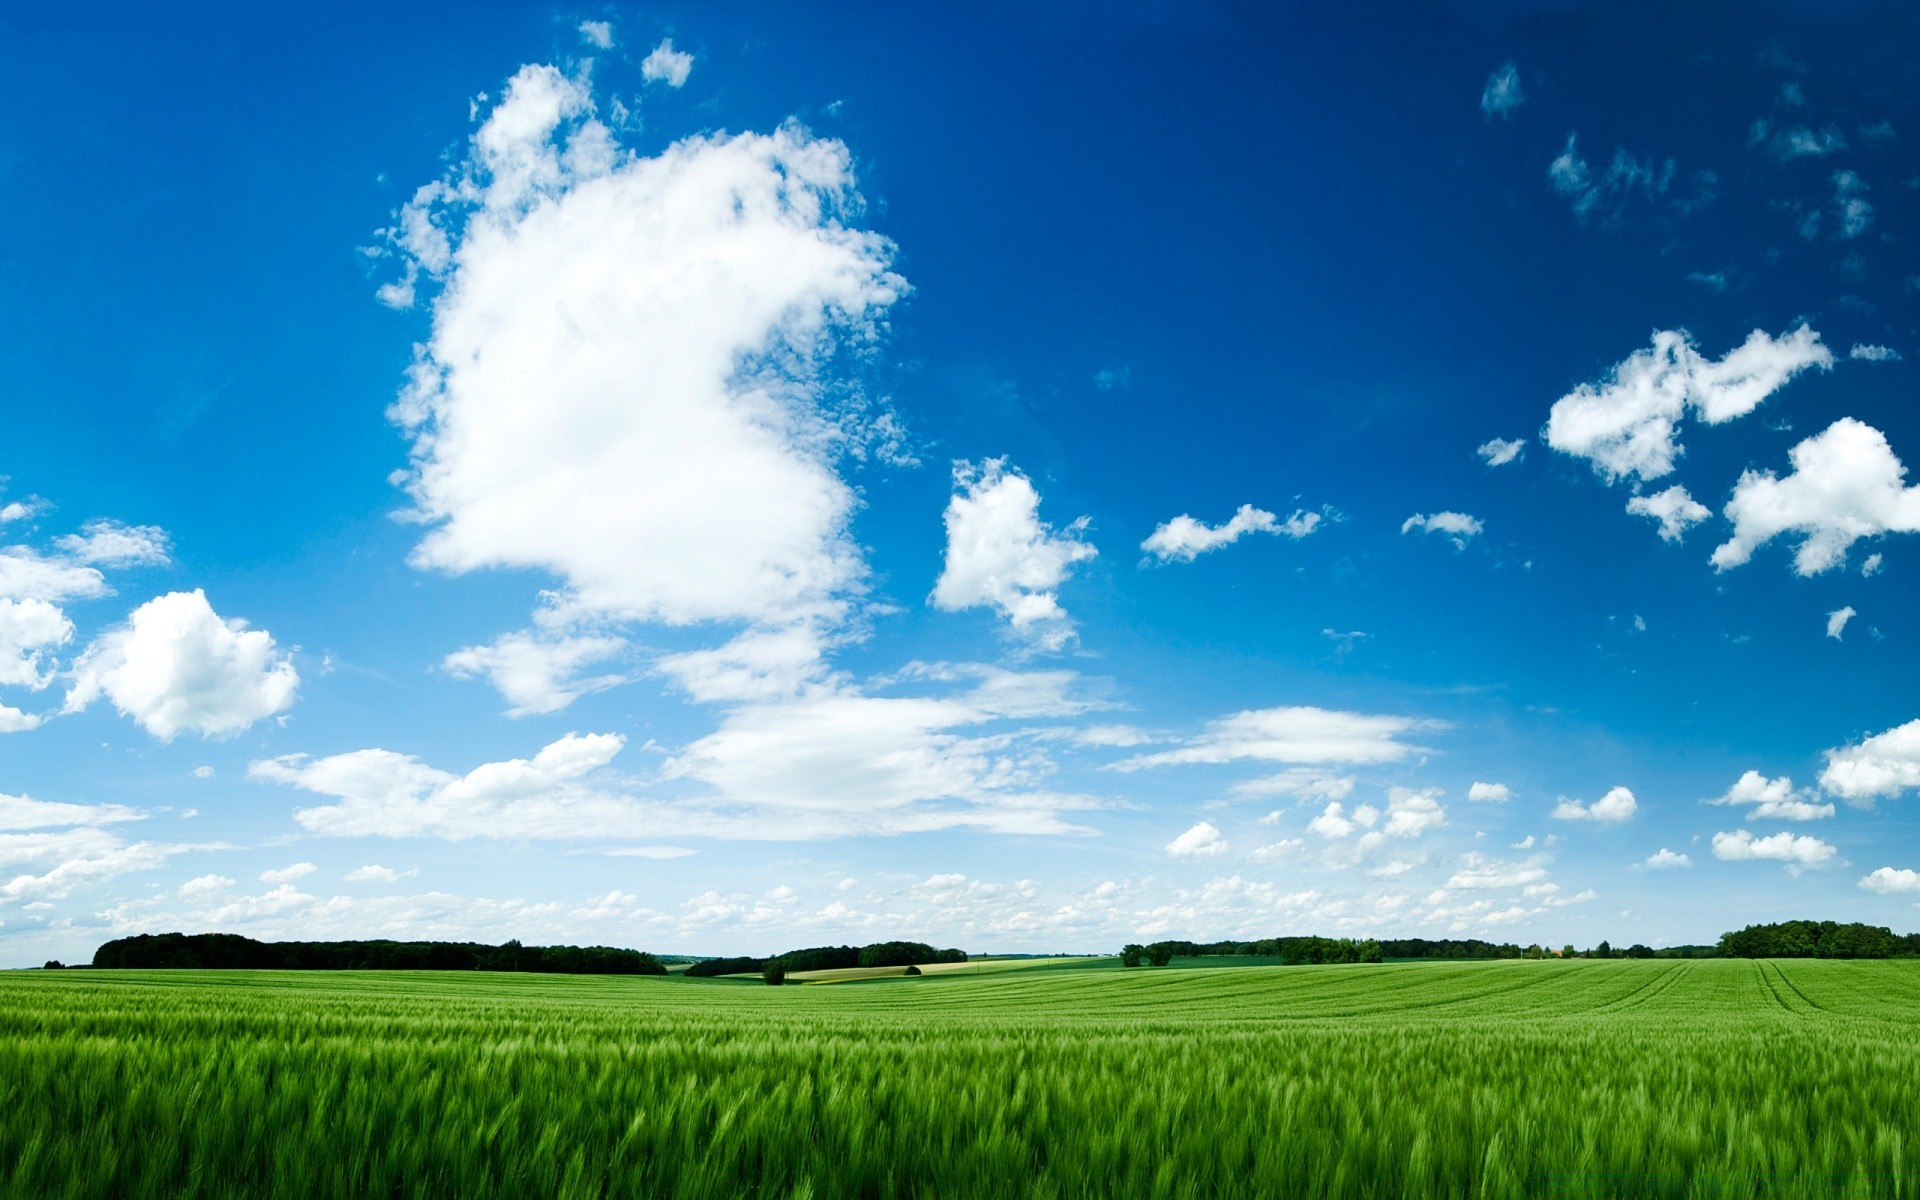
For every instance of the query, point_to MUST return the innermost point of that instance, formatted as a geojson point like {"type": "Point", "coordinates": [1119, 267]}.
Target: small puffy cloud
{"type": "Point", "coordinates": [1837, 621]}
{"type": "Point", "coordinates": [1880, 767]}
{"type": "Point", "coordinates": [1627, 425]}
{"type": "Point", "coordinates": [1773, 799]}
{"type": "Point", "coordinates": [299, 870]}
{"type": "Point", "coordinates": [537, 673]}
{"type": "Point", "coordinates": [1411, 812]}
{"type": "Point", "coordinates": [1852, 211]}
{"type": "Point", "coordinates": [1675, 509]}
{"type": "Point", "coordinates": [1795, 141]}
{"type": "Point", "coordinates": [1184, 539]}
{"type": "Point", "coordinates": [1408, 814]}
{"type": "Point", "coordinates": [1459, 527]}
{"type": "Point", "coordinates": [1868, 353]}
{"type": "Point", "coordinates": [110, 544]}
{"type": "Point", "coordinates": [1616, 806]}
{"type": "Point", "coordinates": [1799, 851]}
{"type": "Point", "coordinates": [1000, 554]}
{"type": "Point", "coordinates": [1664, 859]}
{"type": "Point", "coordinates": [1490, 793]}
{"type": "Point", "coordinates": [1498, 452]}
{"type": "Point", "coordinates": [1201, 841]}
{"type": "Point", "coordinates": [598, 34]}
{"type": "Point", "coordinates": [1846, 485]}
{"type": "Point", "coordinates": [374, 873]}
{"type": "Point", "coordinates": [666, 65]}
{"type": "Point", "coordinates": [1503, 93]}
{"type": "Point", "coordinates": [1871, 566]}
{"type": "Point", "coordinates": [178, 666]}
{"type": "Point", "coordinates": [1113, 735]}
{"type": "Point", "coordinates": [203, 885]}
{"type": "Point", "coordinates": [203, 772]}
{"type": "Point", "coordinates": [1335, 822]}
{"type": "Point", "coordinates": [29, 630]}
{"type": "Point", "coordinates": [1302, 734]}
{"type": "Point", "coordinates": [1887, 881]}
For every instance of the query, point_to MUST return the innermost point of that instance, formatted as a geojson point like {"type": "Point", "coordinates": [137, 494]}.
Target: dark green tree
{"type": "Point", "coordinates": [775, 973]}
{"type": "Point", "coordinates": [1131, 954]}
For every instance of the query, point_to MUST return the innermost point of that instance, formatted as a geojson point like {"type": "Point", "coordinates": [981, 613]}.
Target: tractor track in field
{"type": "Point", "coordinates": [1648, 990]}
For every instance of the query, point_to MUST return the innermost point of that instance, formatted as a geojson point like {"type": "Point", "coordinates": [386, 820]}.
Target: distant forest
{"type": "Point", "coordinates": [831, 958]}
{"type": "Point", "coordinates": [230, 951]}
{"type": "Point", "coordinates": [1788, 939]}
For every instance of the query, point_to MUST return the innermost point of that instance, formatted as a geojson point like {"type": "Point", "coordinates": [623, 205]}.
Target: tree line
{"type": "Point", "coordinates": [829, 958]}
{"type": "Point", "coordinates": [1818, 939]}
{"type": "Point", "coordinates": [232, 951]}
{"type": "Point", "coordinates": [1788, 939]}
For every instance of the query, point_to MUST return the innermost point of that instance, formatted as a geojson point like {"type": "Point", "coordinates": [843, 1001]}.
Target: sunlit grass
{"type": "Point", "coordinates": [1660, 1078]}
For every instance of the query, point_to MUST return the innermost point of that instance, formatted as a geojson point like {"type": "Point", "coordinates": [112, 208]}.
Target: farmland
{"type": "Point", "coordinates": [1584, 1078]}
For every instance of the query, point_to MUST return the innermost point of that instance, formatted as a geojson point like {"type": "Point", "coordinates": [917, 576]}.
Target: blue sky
{"type": "Point", "coordinates": [717, 480]}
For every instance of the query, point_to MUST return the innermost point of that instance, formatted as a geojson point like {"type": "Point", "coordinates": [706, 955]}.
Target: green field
{"type": "Point", "coordinates": [1584, 1078]}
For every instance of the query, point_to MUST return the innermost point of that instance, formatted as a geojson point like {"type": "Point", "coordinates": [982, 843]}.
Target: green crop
{"type": "Point", "coordinates": [1579, 1079]}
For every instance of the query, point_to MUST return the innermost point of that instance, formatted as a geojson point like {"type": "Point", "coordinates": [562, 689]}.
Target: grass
{"type": "Point", "coordinates": [1584, 1079]}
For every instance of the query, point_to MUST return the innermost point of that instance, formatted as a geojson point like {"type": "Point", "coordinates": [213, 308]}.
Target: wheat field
{"type": "Point", "coordinates": [1586, 1078]}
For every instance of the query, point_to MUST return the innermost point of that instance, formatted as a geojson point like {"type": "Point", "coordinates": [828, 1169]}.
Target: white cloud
{"type": "Point", "coordinates": [203, 885]}
{"type": "Point", "coordinates": [1882, 766]}
{"type": "Point", "coordinates": [1795, 141]}
{"type": "Point", "coordinates": [1627, 177]}
{"type": "Point", "coordinates": [1837, 621]}
{"type": "Point", "coordinates": [833, 763]}
{"type": "Point", "coordinates": [1664, 859]}
{"type": "Point", "coordinates": [1279, 851]}
{"type": "Point", "coordinates": [28, 575]}
{"type": "Point", "coordinates": [1412, 812]}
{"type": "Point", "coordinates": [1113, 735]}
{"type": "Point", "coordinates": [1490, 793]}
{"type": "Point", "coordinates": [79, 857]}
{"type": "Point", "coordinates": [1459, 527]}
{"type": "Point", "coordinates": [676, 317]}
{"type": "Point", "coordinates": [598, 34]}
{"type": "Point", "coordinates": [1184, 539]}
{"type": "Point", "coordinates": [1335, 822]}
{"type": "Point", "coordinates": [1888, 881]}
{"type": "Point", "coordinates": [24, 812]}
{"type": "Point", "coordinates": [288, 874]}
{"type": "Point", "coordinates": [1303, 783]}
{"type": "Point", "coordinates": [28, 630]}
{"type": "Point", "coordinates": [1871, 566]}
{"type": "Point", "coordinates": [1800, 851]}
{"type": "Point", "coordinates": [1866, 353]}
{"type": "Point", "coordinates": [1201, 841]}
{"type": "Point", "coordinates": [1627, 426]}
{"type": "Point", "coordinates": [1002, 555]}
{"type": "Point", "coordinates": [1853, 211]}
{"type": "Point", "coordinates": [1773, 799]}
{"type": "Point", "coordinates": [1611, 809]}
{"type": "Point", "coordinates": [1675, 509]}
{"type": "Point", "coordinates": [1409, 813]}
{"type": "Point", "coordinates": [1503, 93]}
{"type": "Point", "coordinates": [1498, 452]}
{"type": "Point", "coordinates": [14, 720]}
{"type": "Point", "coordinates": [1845, 486]}
{"type": "Point", "coordinates": [112, 544]}
{"type": "Point", "coordinates": [1480, 873]}
{"type": "Point", "coordinates": [375, 873]}
{"type": "Point", "coordinates": [666, 65]}
{"type": "Point", "coordinates": [1300, 734]}
{"type": "Point", "coordinates": [537, 673]}
{"type": "Point", "coordinates": [178, 666]}
{"type": "Point", "coordinates": [203, 772]}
